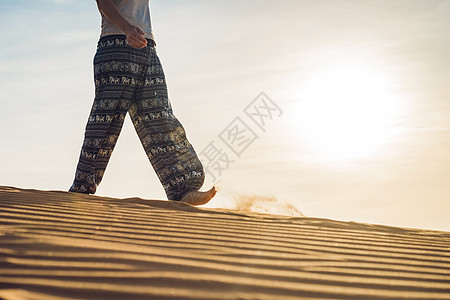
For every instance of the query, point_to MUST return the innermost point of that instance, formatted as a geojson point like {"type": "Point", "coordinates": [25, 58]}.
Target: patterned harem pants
{"type": "Point", "coordinates": [132, 80]}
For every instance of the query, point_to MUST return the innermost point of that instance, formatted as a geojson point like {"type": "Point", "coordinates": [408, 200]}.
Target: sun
{"type": "Point", "coordinates": [346, 110]}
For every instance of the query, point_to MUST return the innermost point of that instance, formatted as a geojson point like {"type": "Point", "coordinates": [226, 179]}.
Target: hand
{"type": "Point", "coordinates": [135, 37]}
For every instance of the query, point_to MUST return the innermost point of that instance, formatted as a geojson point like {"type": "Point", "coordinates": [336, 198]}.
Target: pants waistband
{"type": "Point", "coordinates": [120, 40]}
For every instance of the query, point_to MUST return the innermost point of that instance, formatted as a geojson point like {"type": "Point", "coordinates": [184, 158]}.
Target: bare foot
{"type": "Point", "coordinates": [199, 198]}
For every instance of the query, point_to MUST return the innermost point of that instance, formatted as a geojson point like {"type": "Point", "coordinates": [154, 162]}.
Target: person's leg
{"type": "Point", "coordinates": [163, 136]}
{"type": "Point", "coordinates": [117, 71]}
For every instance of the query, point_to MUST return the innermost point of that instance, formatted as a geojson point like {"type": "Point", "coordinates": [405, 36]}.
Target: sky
{"type": "Point", "coordinates": [361, 129]}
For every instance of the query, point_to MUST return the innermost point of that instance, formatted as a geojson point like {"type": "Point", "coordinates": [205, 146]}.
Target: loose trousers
{"type": "Point", "coordinates": [132, 80]}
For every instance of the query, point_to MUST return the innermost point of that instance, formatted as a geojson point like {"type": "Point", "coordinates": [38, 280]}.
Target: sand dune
{"type": "Point", "coordinates": [57, 245]}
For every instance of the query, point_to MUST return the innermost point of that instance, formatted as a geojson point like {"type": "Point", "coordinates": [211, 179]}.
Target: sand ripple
{"type": "Point", "coordinates": [57, 245]}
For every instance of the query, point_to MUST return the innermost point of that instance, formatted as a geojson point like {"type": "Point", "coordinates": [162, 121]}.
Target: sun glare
{"type": "Point", "coordinates": [345, 111]}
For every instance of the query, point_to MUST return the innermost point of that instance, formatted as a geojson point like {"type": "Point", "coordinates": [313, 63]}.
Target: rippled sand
{"type": "Point", "coordinates": [57, 245]}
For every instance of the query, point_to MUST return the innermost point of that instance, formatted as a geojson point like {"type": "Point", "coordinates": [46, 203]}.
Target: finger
{"type": "Point", "coordinates": [135, 42]}
{"type": "Point", "coordinates": [137, 38]}
{"type": "Point", "coordinates": [140, 31]}
{"type": "Point", "coordinates": [137, 45]}
{"type": "Point", "coordinates": [141, 43]}
{"type": "Point", "coordinates": [140, 34]}
{"type": "Point", "coordinates": [141, 39]}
